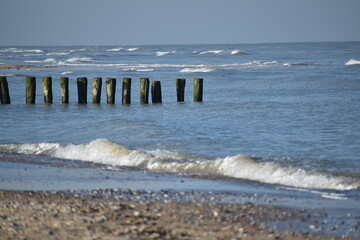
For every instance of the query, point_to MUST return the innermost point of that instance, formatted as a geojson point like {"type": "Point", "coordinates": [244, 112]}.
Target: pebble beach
{"type": "Point", "coordinates": [127, 214]}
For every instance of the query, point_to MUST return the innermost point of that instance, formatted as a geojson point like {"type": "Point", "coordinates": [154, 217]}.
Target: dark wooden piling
{"type": "Point", "coordinates": [110, 90]}
{"type": "Point", "coordinates": [47, 85]}
{"type": "Point", "coordinates": [64, 84]}
{"type": "Point", "coordinates": [4, 91]}
{"type": "Point", "coordinates": [82, 90]}
{"type": "Point", "coordinates": [198, 90]}
{"type": "Point", "coordinates": [126, 91]}
{"type": "Point", "coordinates": [96, 92]}
{"type": "Point", "coordinates": [30, 89]}
{"type": "Point", "coordinates": [180, 89]}
{"type": "Point", "coordinates": [144, 90]}
{"type": "Point", "coordinates": [156, 92]}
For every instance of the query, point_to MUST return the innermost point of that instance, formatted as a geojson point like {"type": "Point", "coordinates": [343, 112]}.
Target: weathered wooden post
{"type": "Point", "coordinates": [64, 84]}
{"type": "Point", "coordinates": [4, 91]}
{"type": "Point", "coordinates": [144, 90]}
{"type": "Point", "coordinates": [82, 90]}
{"type": "Point", "coordinates": [180, 89]}
{"type": "Point", "coordinates": [156, 92]}
{"type": "Point", "coordinates": [126, 91]}
{"type": "Point", "coordinates": [30, 89]}
{"type": "Point", "coordinates": [47, 85]}
{"type": "Point", "coordinates": [198, 90]}
{"type": "Point", "coordinates": [96, 92]}
{"type": "Point", "coordinates": [110, 90]}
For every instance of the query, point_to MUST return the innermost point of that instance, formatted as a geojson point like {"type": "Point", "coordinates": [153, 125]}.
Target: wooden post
{"type": "Point", "coordinates": [96, 93]}
{"type": "Point", "coordinates": [110, 90]}
{"type": "Point", "coordinates": [4, 91]}
{"type": "Point", "coordinates": [126, 91]}
{"type": "Point", "coordinates": [30, 89]}
{"type": "Point", "coordinates": [198, 90]}
{"type": "Point", "coordinates": [82, 90]}
{"type": "Point", "coordinates": [156, 92]}
{"type": "Point", "coordinates": [64, 84]}
{"type": "Point", "coordinates": [180, 89]}
{"type": "Point", "coordinates": [144, 90]}
{"type": "Point", "coordinates": [47, 85]}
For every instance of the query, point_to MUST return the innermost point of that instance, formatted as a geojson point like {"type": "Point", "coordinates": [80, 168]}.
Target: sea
{"type": "Point", "coordinates": [276, 118]}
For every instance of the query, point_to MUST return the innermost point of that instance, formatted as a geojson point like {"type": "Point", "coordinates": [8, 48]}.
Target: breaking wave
{"type": "Point", "coordinates": [159, 53]}
{"type": "Point", "coordinates": [352, 62]}
{"type": "Point", "coordinates": [197, 70]}
{"type": "Point", "coordinates": [240, 166]}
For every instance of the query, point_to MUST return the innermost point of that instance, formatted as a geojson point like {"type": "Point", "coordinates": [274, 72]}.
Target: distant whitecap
{"type": "Point", "coordinates": [352, 62]}
{"type": "Point", "coordinates": [197, 70]}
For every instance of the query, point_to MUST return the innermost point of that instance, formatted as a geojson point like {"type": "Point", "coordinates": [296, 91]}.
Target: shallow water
{"type": "Point", "coordinates": [282, 114]}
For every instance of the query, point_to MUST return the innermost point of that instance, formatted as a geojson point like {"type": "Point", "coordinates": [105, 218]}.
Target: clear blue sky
{"type": "Point", "coordinates": [136, 22]}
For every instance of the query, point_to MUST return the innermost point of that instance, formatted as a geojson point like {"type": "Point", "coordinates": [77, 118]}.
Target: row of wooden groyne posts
{"type": "Point", "coordinates": [82, 83]}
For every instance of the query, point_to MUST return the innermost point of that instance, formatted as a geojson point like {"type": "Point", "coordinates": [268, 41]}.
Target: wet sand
{"type": "Point", "coordinates": [110, 214]}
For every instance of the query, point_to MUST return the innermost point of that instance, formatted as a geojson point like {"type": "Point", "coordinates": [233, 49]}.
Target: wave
{"type": "Point", "coordinates": [237, 52]}
{"type": "Point", "coordinates": [352, 62]}
{"type": "Point", "coordinates": [132, 49]}
{"type": "Point", "coordinates": [240, 166]}
{"type": "Point", "coordinates": [115, 49]}
{"type": "Point", "coordinates": [77, 60]}
{"type": "Point", "coordinates": [137, 70]}
{"type": "Point", "coordinates": [212, 52]}
{"type": "Point", "coordinates": [58, 53]}
{"type": "Point", "coordinates": [48, 60]}
{"type": "Point", "coordinates": [16, 50]}
{"type": "Point", "coordinates": [197, 70]}
{"type": "Point", "coordinates": [65, 73]}
{"type": "Point", "coordinates": [159, 53]}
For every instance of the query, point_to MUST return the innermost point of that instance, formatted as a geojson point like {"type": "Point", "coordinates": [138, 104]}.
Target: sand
{"type": "Point", "coordinates": [109, 214]}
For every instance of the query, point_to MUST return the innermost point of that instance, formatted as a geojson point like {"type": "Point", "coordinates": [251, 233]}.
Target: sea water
{"type": "Point", "coordinates": [285, 114]}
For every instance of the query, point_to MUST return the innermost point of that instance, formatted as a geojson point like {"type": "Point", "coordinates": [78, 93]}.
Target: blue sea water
{"type": "Point", "coordinates": [284, 114]}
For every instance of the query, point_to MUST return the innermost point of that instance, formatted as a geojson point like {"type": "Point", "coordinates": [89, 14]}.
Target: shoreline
{"type": "Point", "coordinates": [6, 66]}
{"type": "Point", "coordinates": [128, 214]}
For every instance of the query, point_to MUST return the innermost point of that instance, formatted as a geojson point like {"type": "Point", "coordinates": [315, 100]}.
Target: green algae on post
{"type": "Point", "coordinates": [198, 90]}
{"type": "Point", "coordinates": [30, 89]}
{"type": "Point", "coordinates": [47, 85]}
{"type": "Point", "coordinates": [64, 84]}
{"type": "Point", "coordinates": [110, 90]}
{"type": "Point", "coordinates": [126, 91]}
{"type": "Point", "coordinates": [144, 90]}
{"type": "Point", "coordinates": [96, 92]}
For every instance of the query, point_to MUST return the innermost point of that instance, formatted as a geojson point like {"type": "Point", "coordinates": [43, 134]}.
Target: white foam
{"type": "Point", "coordinates": [79, 59]}
{"type": "Point", "coordinates": [58, 53]}
{"type": "Point", "coordinates": [132, 49]}
{"type": "Point", "coordinates": [159, 53]}
{"type": "Point", "coordinates": [137, 70]}
{"type": "Point", "coordinates": [236, 52]}
{"type": "Point", "coordinates": [115, 49]}
{"type": "Point", "coordinates": [48, 60]}
{"type": "Point", "coordinates": [239, 166]}
{"type": "Point", "coordinates": [65, 73]}
{"type": "Point", "coordinates": [15, 50]}
{"type": "Point", "coordinates": [352, 62]}
{"type": "Point", "coordinates": [197, 70]}
{"type": "Point", "coordinates": [212, 52]}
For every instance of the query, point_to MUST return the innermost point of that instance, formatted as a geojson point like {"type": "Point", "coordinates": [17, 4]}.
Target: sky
{"type": "Point", "coordinates": [143, 22]}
